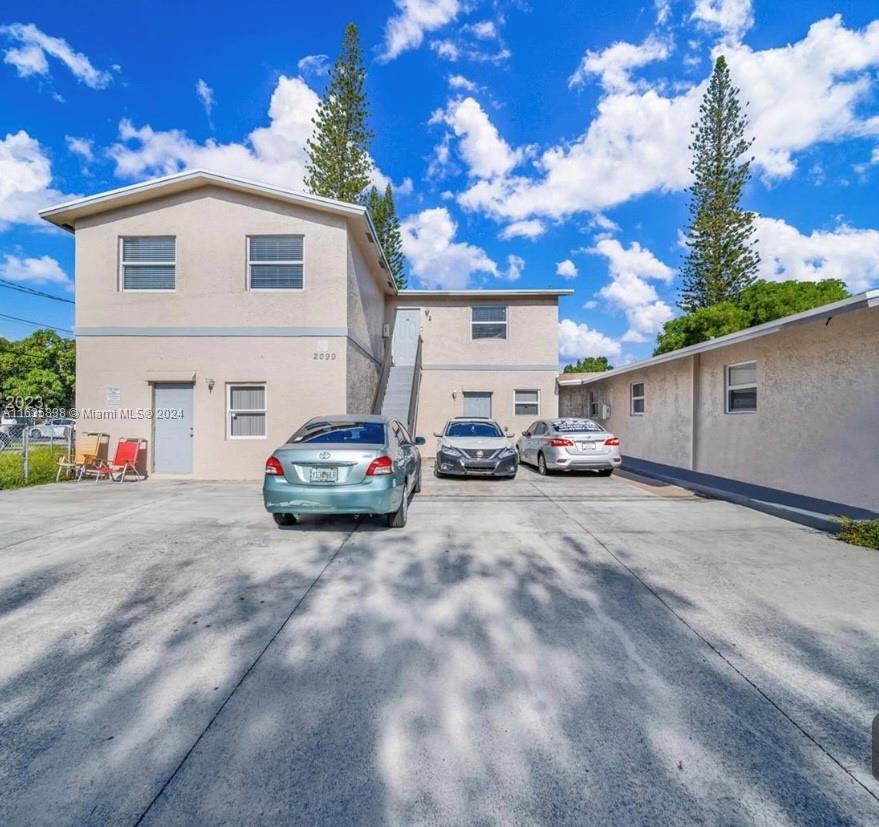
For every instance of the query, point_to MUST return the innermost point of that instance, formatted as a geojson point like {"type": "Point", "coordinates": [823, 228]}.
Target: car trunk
{"type": "Point", "coordinates": [314, 464]}
{"type": "Point", "coordinates": [588, 444]}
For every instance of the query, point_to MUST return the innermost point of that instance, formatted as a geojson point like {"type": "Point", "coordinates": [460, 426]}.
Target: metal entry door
{"type": "Point", "coordinates": [172, 435]}
{"type": "Point", "coordinates": [477, 404]}
{"type": "Point", "coordinates": [407, 329]}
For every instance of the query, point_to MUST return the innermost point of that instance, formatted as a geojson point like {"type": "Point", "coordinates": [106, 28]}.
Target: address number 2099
{"type": "Point", "coordinates": [325, 357]}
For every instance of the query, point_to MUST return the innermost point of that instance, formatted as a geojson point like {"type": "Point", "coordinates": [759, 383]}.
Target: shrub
{"type": "Point", "coordinates": [42, 466]}
{"type": "Point", "coordinates": [860, 532]}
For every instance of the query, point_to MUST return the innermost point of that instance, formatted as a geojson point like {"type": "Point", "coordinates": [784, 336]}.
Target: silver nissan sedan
{"type": "Point", "coordinates": [569, 445]}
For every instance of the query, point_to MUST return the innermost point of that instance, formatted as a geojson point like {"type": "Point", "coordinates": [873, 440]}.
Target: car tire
{"type": "Point", "coordinates": [36, 433]}
{"type": "Point", "coordinates": [541, 465]}
{"type": "Point", "coordinates": [285, 519]}
{"type": "Point", "coordinates": [417, 488]}
{"type": "Point", "coordinates": [605, 472]}
{"type": "Point", "coordinates": [397, 519]}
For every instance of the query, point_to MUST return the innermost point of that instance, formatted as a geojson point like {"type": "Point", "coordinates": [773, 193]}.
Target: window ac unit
{"type": "Point", "coordinates": [386, 331]}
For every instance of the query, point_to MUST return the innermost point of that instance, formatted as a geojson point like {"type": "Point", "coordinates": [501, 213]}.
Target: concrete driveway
{"type": "Point", "coordinates": [568, 650]}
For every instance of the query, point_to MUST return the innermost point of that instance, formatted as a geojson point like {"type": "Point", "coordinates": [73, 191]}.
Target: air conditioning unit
{"type": "Point", "coordinates": [386, 331]}
{"type": "Point", "coordinates": [604, 411]}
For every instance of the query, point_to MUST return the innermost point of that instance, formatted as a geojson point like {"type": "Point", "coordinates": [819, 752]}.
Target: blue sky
{"type": "Point", "coordinates": [531, 145]}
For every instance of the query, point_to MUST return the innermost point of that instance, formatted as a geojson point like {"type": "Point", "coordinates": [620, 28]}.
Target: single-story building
{"type": "Point", "coordinates": [791, 405]}
{"type": "Point", "coordinates": [215, 315]}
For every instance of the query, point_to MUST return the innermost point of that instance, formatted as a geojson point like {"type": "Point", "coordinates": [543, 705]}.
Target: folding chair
{"type": "Point", "coordinates": [125, 461]}
{"type": "Point", "coordinates": [87, 449]}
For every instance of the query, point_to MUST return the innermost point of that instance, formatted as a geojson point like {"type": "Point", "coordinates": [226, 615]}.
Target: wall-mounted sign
{"type": "Point", "coordinates": [114, 396]}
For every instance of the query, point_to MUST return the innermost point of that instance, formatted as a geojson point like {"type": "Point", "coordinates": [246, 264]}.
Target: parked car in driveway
{"type": "Point", "coordinates": [344, 465]}
{"type": "Point", "coordinates": [53, 429]}
{"type": "Point", "coordinates": [569, 445]}
{"type": "Point", "coordinates": [475, 446]}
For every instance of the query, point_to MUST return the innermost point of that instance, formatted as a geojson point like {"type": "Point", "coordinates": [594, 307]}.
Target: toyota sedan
{"type": "Point", "coordinates": [367, 465]}
{"type": "Point", "coordinates": [569, 445]}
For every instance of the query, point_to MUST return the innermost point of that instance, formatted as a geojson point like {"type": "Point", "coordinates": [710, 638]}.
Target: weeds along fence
{"type": "Point", "coordinates": [29, 453]}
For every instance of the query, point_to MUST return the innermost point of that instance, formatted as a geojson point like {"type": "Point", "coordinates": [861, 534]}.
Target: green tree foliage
{"type": "Point", "coordinates": [763, 301]}
{"type": "Point", "coordinates": [339, 164]}
{"type": "Point", "coordinates": [721, 259]}
{"type": "Point", "coordinates": [387, 226]}
{"type": "Point", "coordinates": [589, 364]}
{"type": "Point", "coordinates": [42, 366]}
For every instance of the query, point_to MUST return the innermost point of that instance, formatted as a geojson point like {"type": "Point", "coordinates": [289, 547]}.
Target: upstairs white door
{"type": "Point", "coordinates": [407, 329]}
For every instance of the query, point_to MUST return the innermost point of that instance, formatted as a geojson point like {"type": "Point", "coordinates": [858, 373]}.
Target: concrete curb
{"type": "Point", "coordinates": [812, 519]}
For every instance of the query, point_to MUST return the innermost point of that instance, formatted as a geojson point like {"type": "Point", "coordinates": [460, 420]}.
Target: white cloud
{"type": "Point", "coordinates": [845, 253]}
{"type": "Point", "coordinates": [30, 57]}
{"type": "Point", "coordinates": [629, 289]}
{"type": "Point", "coordinates": [579, 340]}
{"type": "Point", "coordinates": [614, 64]}
{"type": "Point", "coordinates": [205, 95]}
{"type": "Point", "coordinates": [435, 258]}
{"type": "Point", "coordinates": [530, 229]}
{"type": "Point", "coordinates": [460, 82]}
{"type": "Point", "coordinates": [483, 30]}
{"type": "Point", "coordinates": [314, 65]}
{"type": "Point", "coordinates": [663, 10]}
{"type": "Point", "coordinates": [479, 143]}
{"type": "Point", "coordinates": [82, 147]}
{"type": "Point", "coordinates": [406, 29]}
{"type": "Point", "coordinates": [515, 266]}
{"type": "Point", "coordinates": [731, 17]}
{"type": "Point", "coordinates": [25, 180]}
{"type": "Point", "coordinates": [43, 270]}
{"type": "Point", "coordinates": [590, 305]}
{"type": "Point", "coordinates": [800, 95]}
{"type": "Point", "coordinates": [566, 269]}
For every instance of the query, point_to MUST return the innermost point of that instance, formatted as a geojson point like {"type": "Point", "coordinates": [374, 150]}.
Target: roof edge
{"type": "Point", "coordinates": [481, 293]}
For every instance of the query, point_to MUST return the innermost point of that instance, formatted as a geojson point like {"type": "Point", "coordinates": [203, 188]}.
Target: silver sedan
{"type": "Point", "coordinates": [569, 445]}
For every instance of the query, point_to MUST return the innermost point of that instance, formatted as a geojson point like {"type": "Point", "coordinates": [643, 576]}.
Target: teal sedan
{"type": "Point", "coordinates": [348, 464]}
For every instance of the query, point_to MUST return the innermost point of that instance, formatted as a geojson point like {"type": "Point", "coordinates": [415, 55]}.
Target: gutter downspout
{"type": "Point", "coordinates": [696, 402]}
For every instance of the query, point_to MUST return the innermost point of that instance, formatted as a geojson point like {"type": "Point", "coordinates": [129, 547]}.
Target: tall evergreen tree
{"type": "Point", "coordinates": [387, 226]}
{"type": "Point", "coordinates": [721, 259]}
{"type": "Point", "coordinates": [338, 152]}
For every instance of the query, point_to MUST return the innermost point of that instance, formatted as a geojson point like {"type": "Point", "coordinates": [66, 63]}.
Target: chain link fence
{"type": "Point", "coordinates": [30, 449]}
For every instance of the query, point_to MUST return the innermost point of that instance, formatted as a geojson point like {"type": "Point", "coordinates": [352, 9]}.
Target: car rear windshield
{"type": "Point", "coordinates": [569, 426]}
{"type": "Point", "coordinates": [357, 433]}
{"type": "Point", "coordinates": [473, 429]}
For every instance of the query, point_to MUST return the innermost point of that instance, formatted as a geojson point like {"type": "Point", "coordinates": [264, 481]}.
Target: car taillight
{"type": "Point", "coordinates": [379, 467]}
{"type": "Point", "coordinates": [274, 467]}
{"type": "Point", "coordinates": [612, 441]}
{"type": "Point", "coordinates": [561, 443]}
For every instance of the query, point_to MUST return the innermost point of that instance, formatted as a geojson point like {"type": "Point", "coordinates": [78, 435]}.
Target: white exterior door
{"type": "Point", "coordinates": [407, 329]}
{"type": "Point", "coordinates": [477, 404]}
{"type": "Point", "coordinates": [172, 437]}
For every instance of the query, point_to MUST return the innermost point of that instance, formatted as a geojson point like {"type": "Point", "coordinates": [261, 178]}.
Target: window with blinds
{"type": "Point", "coordinates": [488, 322]}
{"type": "Point", "coordinates": [526, 403]}
{"type": "Point", "coordinates": [275, 262]}
{"type": "Point", "coordinates": [246, 411]}
{"type": "Point", "coordinates": [148, 262]}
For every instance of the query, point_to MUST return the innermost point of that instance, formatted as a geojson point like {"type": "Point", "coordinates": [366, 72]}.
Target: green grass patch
{"type": "Point", "coordinates": [42, 466]}
{"type": "Point", "coordinates": [860, 532]}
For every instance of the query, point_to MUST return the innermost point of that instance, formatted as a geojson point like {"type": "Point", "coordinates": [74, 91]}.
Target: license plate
{"type": "Point", "coordinates": [324, 475]}
{"type": "Point", "coordinates": [587, 446]}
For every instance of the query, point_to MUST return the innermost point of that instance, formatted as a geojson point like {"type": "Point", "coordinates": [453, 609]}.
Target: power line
{"type": "Point", "coordinates": [35, 324]}
{"type": "Point", "coordinates": [32, 292]}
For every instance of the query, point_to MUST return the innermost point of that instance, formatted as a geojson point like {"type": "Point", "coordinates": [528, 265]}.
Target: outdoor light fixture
{"type": "Point", "coordinates": [211, 384]}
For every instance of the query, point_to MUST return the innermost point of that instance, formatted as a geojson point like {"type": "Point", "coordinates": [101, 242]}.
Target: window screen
{"type": "Point", "coordinates": [488, 322]}
{"type": "Point", "coordinates": [149, 263]}
{"type": "Point", "coordinates": [527, 403]}
{"type": "Point", "coordinates": [638, 398]}
{"type": "Point", "coordinates": [741, 387]}
{"type": "Point", "coordinates": [276, 262]}
{"type": "Point", "coordinates": [247, 411]}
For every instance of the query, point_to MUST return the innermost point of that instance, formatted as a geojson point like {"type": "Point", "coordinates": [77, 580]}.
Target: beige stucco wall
{"type": "Point", "coordinates": [816, 428]}
{"type": "Point", "coordinates": [362, 380]}
{"type": "Point", "coordinates": [211, 226]}
{"type": "Point", "coordinates": [297, 388]}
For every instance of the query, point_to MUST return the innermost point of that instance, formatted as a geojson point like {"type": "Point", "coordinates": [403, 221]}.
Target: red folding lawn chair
{"type": "Point", "coordinates": [124, 462]}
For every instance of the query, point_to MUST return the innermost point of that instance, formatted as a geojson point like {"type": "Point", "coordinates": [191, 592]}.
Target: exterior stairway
{"type": "Point", "coordinates": [398, 393]}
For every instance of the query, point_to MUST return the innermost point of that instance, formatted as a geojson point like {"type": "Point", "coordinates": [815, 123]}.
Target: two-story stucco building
{"type": "Point", "coordinates": [215, 315]}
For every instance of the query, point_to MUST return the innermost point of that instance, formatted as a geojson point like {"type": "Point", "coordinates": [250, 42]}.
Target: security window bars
{"type": "Point", "coordinates": [638, 398]}
{"type": "Point", "coordinates": [246, 411]}
{"type": "Point", "coordinates": [148, 262]}
{"type": "Point", "coordinates": [275, 262]}
{"type": "Point", "coordinates": [488, 322]}
{"type": "Point", "coordinates": [527, 403]}
{"type": "Point", "coordinates": [741, 388]}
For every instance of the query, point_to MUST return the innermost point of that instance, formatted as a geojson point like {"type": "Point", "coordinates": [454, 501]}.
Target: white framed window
{"type": "Point", "coordinates": [488, 322]}
{"type": "Point", "coordinates": [526, 403]}
{"type": "Point", "coordinates": [275, 262]}
{"type": "Point", "coordinates": [638, 399]}
{"type": "Point", "coordinates": [246, 410]}
{"type": "Point", "coordinates": [148, 263]}
{"type": "Point", "coordinates": [741, 388]}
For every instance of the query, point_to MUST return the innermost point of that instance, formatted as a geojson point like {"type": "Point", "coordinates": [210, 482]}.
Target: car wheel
{"type": "Point", "coordinates": [397, 519]}
{"type": "Point", "coordinates": [605, 472]}
{"type": "Point", "coordinates": [437, 473]}
{"type": "Point", "coordinates": [285, 519]}
{"type": "Point", "coordinates": [36, 433]}
{"type": "Point", "coordinates": [541, 465]}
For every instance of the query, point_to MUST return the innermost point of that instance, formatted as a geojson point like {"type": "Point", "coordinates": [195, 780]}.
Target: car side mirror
{"type": "Point", "coordinates": [420, 440]}
{"type": "Point", "coordinates": [526, 433]}
{"type": "Point", "coordinates": [510, 435]}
